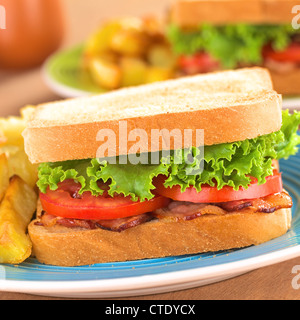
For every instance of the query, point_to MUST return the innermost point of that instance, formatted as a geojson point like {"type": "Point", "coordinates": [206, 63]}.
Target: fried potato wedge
{"type": "Point", "coordinates": [12, 145]}
{"type": "Point", "coordinates": [128, 51]}
{"type": "Point", "coordinates": [16, 211]}
{"type": "Point", "coordinates": [11, 128]}
{"type": "Point", "coordinates": [19, 164]}
{"type": "Point", "coordinates": [134, 71]}
{"type": "Point", "coordinates": [4, 175]}
{"type": "Point", "coordinates": [105, 73]}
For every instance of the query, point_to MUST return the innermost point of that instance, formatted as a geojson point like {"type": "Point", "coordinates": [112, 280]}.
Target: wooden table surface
{"type": "Point", "coordinates": [21, 88]}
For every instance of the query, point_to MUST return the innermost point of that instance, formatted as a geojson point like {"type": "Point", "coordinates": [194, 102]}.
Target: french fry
{"type": "Point", "coordinates": [134, 71]}
{"type": "Point", "coordinates": [12, 145]}
{"type": "Point", "coordinates": [122, 50]}
{"type": "Point", "coordinates": [105, 73]}
{"type": "Point", "coordinates": [161, 56]}
{"type": "Point", "coordinates": [16, 211]}
{"type": "Point", "coordinates": [99, 41]}
{"type": "Point", "coordinates": [2, 137]}
{"type": "Point", "coordinates": [17, 194]}
{"type": "Point", "coordinates": [158, 74]}
{"type": "Point", "coordinates": [4, 175]}
{"type": "Point", "coordinates": [129, 43]}
{"type": "Point", "coordinates": [11, 128]}
{"type": "Point", "coordinates": [19, 165]}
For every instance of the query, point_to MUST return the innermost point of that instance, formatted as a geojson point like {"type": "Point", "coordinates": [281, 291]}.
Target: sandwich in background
{"type": "Point", "coordinates": [226, 34]}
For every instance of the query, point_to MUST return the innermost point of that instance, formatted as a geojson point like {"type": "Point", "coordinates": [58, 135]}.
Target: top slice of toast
{"type": "Point", "coordinates": [228, 105]}
{"type": "Point", "coordinates": [207, 91]}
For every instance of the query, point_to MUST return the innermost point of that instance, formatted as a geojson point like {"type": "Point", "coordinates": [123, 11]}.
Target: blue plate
{"type": "Point", "coordinates": [158, 275]}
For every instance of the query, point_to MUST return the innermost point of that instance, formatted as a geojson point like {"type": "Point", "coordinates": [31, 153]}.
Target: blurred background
{"type": "Point", "coordinates": [93, 47]}
{"type": "Point", "coordinates": [80, 18]}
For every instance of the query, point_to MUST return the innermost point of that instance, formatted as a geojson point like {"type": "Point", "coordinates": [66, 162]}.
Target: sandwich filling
{"type": "Point", "coordinates": [237, 177]}
{"type": "Point", "coordinates": [208, 48]}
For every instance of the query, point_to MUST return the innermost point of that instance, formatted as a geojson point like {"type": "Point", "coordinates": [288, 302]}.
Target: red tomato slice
{"type": "Point", "coordinates": [290, 54]}
{"type": "Point", "coordinates": [197, 63]}
{"type": "Point", "coordinates": [210, 194]}
{"type": "Point", "coordinates": [65, 202]}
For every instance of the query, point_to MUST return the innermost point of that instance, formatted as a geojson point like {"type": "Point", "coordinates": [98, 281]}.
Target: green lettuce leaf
{"type": "Point", "coordinates": [231, 44]}
{"type": "Point", "coordinates": [289, 144]}
{"type": "Point", "coordinates": [227, 164]}
{"type": "Point", "coordinates": [129, 180]}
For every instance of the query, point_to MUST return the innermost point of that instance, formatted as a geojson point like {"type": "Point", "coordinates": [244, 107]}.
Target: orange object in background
{"type": "Point", "coordinates": [34, 30]}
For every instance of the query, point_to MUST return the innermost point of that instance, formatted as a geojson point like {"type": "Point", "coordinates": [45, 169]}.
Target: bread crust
{"type": "Point", "coordinates": [158, 238]}
{"type": "Point", "coordinates": [229, 106]}
{"type": "Point", "coordinates": [191, 13]}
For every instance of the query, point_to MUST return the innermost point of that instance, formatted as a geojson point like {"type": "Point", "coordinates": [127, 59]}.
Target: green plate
{"type": "Point", "coordinates": [65, 76]}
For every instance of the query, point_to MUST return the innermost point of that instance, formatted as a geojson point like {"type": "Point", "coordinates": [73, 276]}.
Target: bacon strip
{"type": "Point", "coordinates": [266, 204]}
{"type": "Point", "coordinates": [49, 220]}
{"type": "Point", "coordinates": [117, 225]}
{"type": "Point", "coordinates": [124, 223]}
{"type": "Point", "coordinates": [181, 210]}
{"type": "Point", "coordinates": [176, 211]}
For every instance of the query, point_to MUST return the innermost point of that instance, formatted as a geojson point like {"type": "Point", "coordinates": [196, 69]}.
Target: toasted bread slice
{"type": "Point", "coordinates": [229, 106]}
{"type": "Point", "coordinates": [64, 246]}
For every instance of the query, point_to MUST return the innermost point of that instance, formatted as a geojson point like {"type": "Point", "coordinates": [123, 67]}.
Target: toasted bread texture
{"type": "Point", "coordinates": [229, 106]}
{"type": "Point", "coordinates": [63, 246]}
{"type": "Point", "coordinates": [191, 13]}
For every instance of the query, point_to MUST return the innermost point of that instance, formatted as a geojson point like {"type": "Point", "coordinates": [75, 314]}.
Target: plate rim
{"type": "Point", "coordinates": [59, 88]}
{"type": "Point", "coordinates": [119, 285]}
